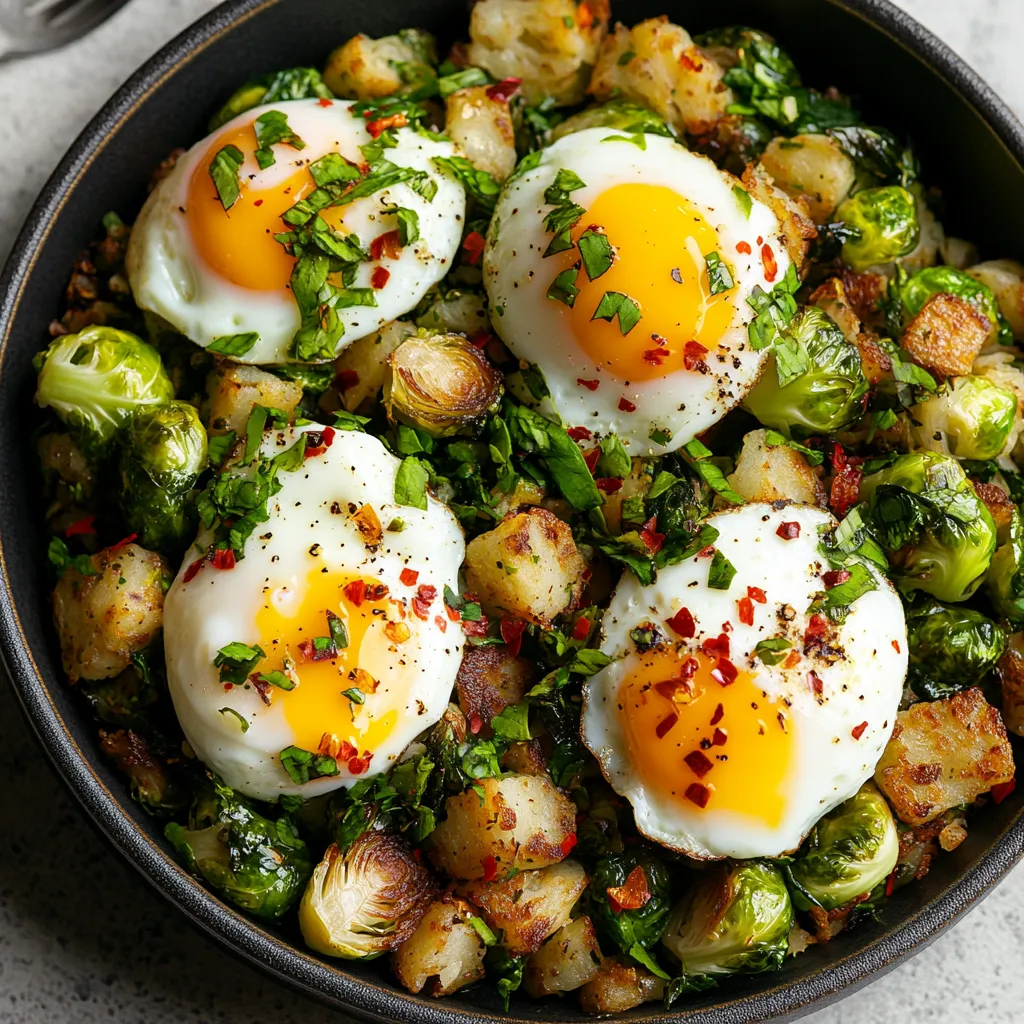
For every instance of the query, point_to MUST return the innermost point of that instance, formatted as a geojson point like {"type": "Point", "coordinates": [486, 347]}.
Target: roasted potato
{"type": "Point", "coordinates": [798, 230]}
{"type": "Point", "coordinates": [814, 167]}
{"type": "Point", "coordinates": [569, 959]}
{"type": "Point", "coordinates": [525, 758]}
{"type": "Point", "coordinates": [489, 680]}
{"type": "Point", "coordinates": [363, 367]}
{"type": "Point", "coordinates": [1006, 279]}
{"type": "Point", "coordinates": [618, 987]}
{"type": "Point", "coordinates": [1011, 677]}
{"type": "Point", "coordinates": [445, 951]}
{"type": "Point", "coordinates": [481, 127]}
{"type": "Point", "coordinates": [234, 389]}
{"type": "Point", "coordinates": [943, 754]}
{"type": "Point", "coordinates": [366, 69]}
{"type": "Point", "coordinates": [947, 335]}
{"type": "Point", "coordinates": [520, 821]}
{"type": "Point", "coordinates": [767, 472]}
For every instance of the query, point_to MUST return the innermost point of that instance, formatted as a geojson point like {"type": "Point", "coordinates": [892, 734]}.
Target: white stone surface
{"type": "Point", "coordinates": [82, 939]}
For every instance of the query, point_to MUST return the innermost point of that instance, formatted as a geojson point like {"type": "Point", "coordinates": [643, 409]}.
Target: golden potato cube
{"type": "Point", "coordinates": [568, 960]}
{"type": "Point", "coordinates": [812, 166]}
{"type": "Point", "coordinates": [482, 129]}
{"type": "Point", "coordinates": [792, 213]}
{"type": "Point", "coordinates": [618, 987]}
{"type": "Point", "coordinates": [365, 68]}
{"type": "Point", "coordinates": [234, 389]}
{"type": "Point", "coordinates": [767, 472]}
{"type": "Point", "coordinates": [362, 367]}
{"type": "Point", "coordinates": [489, 680]}
{"type": "Point", "coordinates": [1011, 677]}
{"type": "Point", "coordinates": [947, 335]}
{"type": "Point", "coordinates": [1006, 279]}
{"type": "Point", "coordinates": [445, 950]}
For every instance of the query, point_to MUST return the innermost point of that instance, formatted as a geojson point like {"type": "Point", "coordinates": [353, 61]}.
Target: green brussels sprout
{"type": "Point", "coordinates": [849, 851]}
{"type": "Point", "coordinates": [290, 84]}
{"type": "Point", "coordinates": [974, 415]}
{"type": "Point", "coordinates": [164, 453]}
{"type": "Point", "coordinates": [443, 385]}
{"type": "Point", "coordinates": [735, 920]}
{"type": "Point", "coordinates": [813, 382]}
{"type": "Point", "coordinates": [456, 311]}
{"type": "Point", "coordinates": [96, 379]}
{"type": "Point", "coordinates": [1004, 583]}
{"type": "Point", "coordinates": [623, 115]}
{"type": "Point", "coordinates": [951, 648]}
{"type": "Point", "coordinates": [258, 864]}
{"type": "Point", "coordinates": [885, 222]}
{"type": "Point", "coordinates": [913, 292]}
{"type": "Point", "coordinates": [610, 911]}
{"type": "Point", "coordinates": [938, 534]}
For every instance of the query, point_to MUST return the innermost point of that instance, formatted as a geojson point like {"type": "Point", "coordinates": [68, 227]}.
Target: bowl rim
{"type": "Point", "coordinates": [246, 938]}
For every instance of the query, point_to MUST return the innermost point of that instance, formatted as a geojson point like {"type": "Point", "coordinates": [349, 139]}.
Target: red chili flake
{"type": "Point", "coordinates": [124, 541]}
{"type": "Point", "coordinates": [318, 441]}
{"type": "Point", "coordinates": [379, 278]}
{"type": "Point", "coordinates": [693, 355]}
{"type": "Point", "coordinates": [386, 246]}
{"type": "Point", "coordinates": [746, 611]}
{"type": "Point", "coordinates": [473, 246]}
{"type": "Point", "coordinates": [698, 794]}
{"type": "Point", "coordinates": [609, 484]}
{"type": "Point", "coordinates": [257, 202]}
{"type": "Point", "coordinates": [896, 646]}
{"type": "Point", "coordinates": [310, 651]}
{"type": "Point", "coordinates": [453, 613]}
{"type": "Point", "coordinates": [228, 686]}
{"type": "Point", "coordinates": [815, 683]}
{"type": "Point", "coordinates": [81, 526]}
{"type": "Point", "coordinates": [683, 623]}
{"type": "Point", "coordinates": [665, 724]}
{"type": "Point", "coordinates": [477, 627]}
{"type": "Point", "coordinates": [579, 433]}
{"type": "Point", "coordinates": [668, 687]}
{"type": "Point", "coordinates": [688, 62]}
{"type": "Point", "coordinates": [719, 646]}
{"type": "Point", "coordinates": [441, 623]}
{"type": "Point", "coordinates": [193, 570]}
{"type": "Point", "coordinates": [890, 885]}
{"type": "Point", "coordinates": [581, 628]}
{"type": "Point", "coordinates": [719, 737]}
{"type": "Point", "coordinates": [725, 672]}
{"type": "Point", "coordinates": [504, 90]}
{"type": "Point", "coordinates": [757, 594]}
{"type": "Point", "coordinates": [325, 102]}
{"type": "Point", "coordinates": [705, 552]}
{"type": "Point", "coordinates": [345, 750]}
{"type": "Point", "coordinates": [476, 723]}
{"type": "Point", "coordinates": [792, 660]}
{"type": "Point", "coordinates": [591, 457]}
{"type": "Point", "coordinates": [382, 124]}
{"type": "Point", "coordinates": [656, 356]}
{"type": "Point", "coordinates": [858, 730]}
{"type": "Point", "coordinates": [223, 558]}
{"type": "Point", "coordinates": [1002, 790]}
{"type": "Point", "coordinates": [512, 634]}
{"type": "Point", "coordinates": [590, 385]}
{"type": "Point", "coordinates": [625, 405]}
{"type": "Point", "coordinates": [632, 894]}
{"type": "Point", "coordinates": [698, 763]}
{"type": "Point", "coordinates": [261, 687]}
{"type": "Point", "coordinates": [788, 531]}
{"type": "Point", "coordinates": [845, 489]}
{"type": "Point", "coordinates": [358, 765]}
{"type": "Point", "coordinates": [346, 379]}
{"type": "Point", "coordinates": [567, 844]}
{"type": "Point", "coordinates": [355, 592]}
{"type": "Point", "coordinates": [744, 247]}
{"type": "Point", "coordinates": [816, 626]}
{"type": "Point", "coordinates": [424, 598]}
{"type": "Point", "coordinates": [659, 339]}
{"type": "Point", "coordinates": [718, 715]}
{"type": "Point", "coordinates": [760, 240]}
{"type": "Point", "coordinates": [834, 577]}
{"type": "Point", "coordinates": [409, 577]}
{"type": "Point", "coordinates": [650, 536]}
{"type": "Point", "coordinates": [480, 340]}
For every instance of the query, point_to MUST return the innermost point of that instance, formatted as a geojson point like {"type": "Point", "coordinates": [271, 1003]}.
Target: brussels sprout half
{"type": "Point", "coordinates": [1005, 581]}
{"type": "Point", "coordinates": [820, 384]}
{"type": "Point", "coordinates": [258, 864]}
{"type": "Point", "coordinates": [735, 920]}
{"type": "Point", "coordinates": [850, 851]}
{"type": "Point", "coordinates": [623, 115]}
{"type": "Point", "coordinates": [975, 416]}
{"type": "Point", "coordinates": [886, 225]}
{"type": "Point", "coordinates": [938, 534]}
{"type": "Point", "coordinates": [95, 379]}
{"type": "Point", "coordinates": [915, 291]}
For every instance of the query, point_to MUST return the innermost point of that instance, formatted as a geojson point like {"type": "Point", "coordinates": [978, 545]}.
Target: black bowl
{"type": "Point", "coordinates": [970, 145]}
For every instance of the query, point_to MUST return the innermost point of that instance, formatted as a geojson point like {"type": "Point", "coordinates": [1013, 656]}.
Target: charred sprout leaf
{"type": "Point", "coordinates": [880, 158]}
{"type": "Point", "coordinates": [1004, 583]}
{"type": "Point", "coordinates": [886, 226]}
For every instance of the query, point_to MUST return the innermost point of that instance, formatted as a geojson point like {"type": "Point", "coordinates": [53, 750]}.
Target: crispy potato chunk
{"type": "Point", "coordinates": [527, 567]}
{"type": "Point", "coordinates": [521, 821]}
{"type": "Point", "coordinates": [104, 619]}
{"type": "Point", "coordinates": [798, 230]}
{"type": "Point", "coordinates": [831, 296]}
{"type": "Point", "coordinates": [569, 959]}
{"type": "Point", "coordinates": [552, 45]}
{"type": "Point", "coordinates": [943, 754]}
{"type": "Point", "coordinates": [1006, 279]}
{"type": "Point", "coordinates": [947, 335]}
{"type": "Point", "coordinates": [445, 951]}
{"type": "Point", "coordinates": [525, 758]}
{"type": "Point", "coordinates": [362, 367]}
{"type": "Point", "coordinates": [666, 72]}
{"type": "Point", "coordinates": [482, 129]}
{"type": "Point", "coordinates": [812, 166]}
{"type": "Point", "coordinates": [767, 472]}
{"type": "Point", "coordinates": [489, 680]}
{"type": "Point", "coordinates": [1011, 676]}
{"type": "Point", "coordinates": [618, 987]}
{"type": "Point", "coordinates": [529, 906]}
{"type": "Point", "coordinates": [234, 389]}
{"type": "Point", "coordinates": [998, 503]}
{"type": "Point", "coordinates": [365, 68]}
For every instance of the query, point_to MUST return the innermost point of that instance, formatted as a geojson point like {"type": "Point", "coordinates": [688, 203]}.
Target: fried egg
{"type": "Point", "coordinates": [335, 544]}
{"type": "Point", "coordinates": [654, 347]}
{"type": "Point", "coordinates": [730, 749]}
{"type": "Point", "coordinates": [213, 273]}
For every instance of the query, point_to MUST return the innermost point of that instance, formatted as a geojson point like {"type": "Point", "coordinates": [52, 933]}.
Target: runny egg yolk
{"type": "Point", "coordinates": [660, 241]}
{"type": "Point", "coordinates": [289, 624]}
{"type": "Point", "coordinates": [703, 745]}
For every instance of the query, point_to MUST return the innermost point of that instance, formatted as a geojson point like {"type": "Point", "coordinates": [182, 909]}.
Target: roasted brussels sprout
{"type": "Point", "coordinates": [367, 901]}
{"type": "Point", "coordinates": [629, 899]}
{"type": "Point", "coordinates": [624, 115]}
{"type": "Point", "coordinates": [258, 864]}
{"type": "Point", "coordinates": [951, 648]}
{"type": "Point", "coordinates": [95, 379]}
{"type": "Point", "coordinates": [938, 533]}
{"type": "Point", "coordinates": [735, 920]}
{"type": "Point", "coordinates": [1005, 581]}
{"type": "Point", "coordinates": [454, 312]}
{"type": "Point", "coordinates": [819, 388]}
{"type": "Point", "coordinates": [442, 385]}
{"type": "Point", "coordinates": [164, 453]}
{"type": "Point", "coordinates": [290, 84]}
{"type": "Point", "coordinates": [850, 851]}
{"type": "Point", "coordinates": [886, 225]}
{"type": "Point", "coordinates": [973, 416]}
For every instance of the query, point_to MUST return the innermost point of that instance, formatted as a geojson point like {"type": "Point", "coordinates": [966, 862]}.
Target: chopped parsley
{"type": "Point", "coordinates": [233, 344]}
{"type": "Point", "coordinates": [710, 473]}
{"type": "Point", "coordinates": [339, 634]}
{"type": "Point", "coordinates": [597, 252]}
{"type": "Point", "coordinates": [719, 277]}
{"type": "Point", "coordinates": [746, 204]}
{"type": "Point", "coordinates": [272, 128]}
{"type": "Point", "coordinates": [563, 289]}
{"type": "Point", "coordinates": [772, 651]}
{"type": "Point", "coordinates": [777, 440]}
{"type": "Point", "coordinates": [237, 660]}
{"type": "Point", "coordinates": [411, 483]}
{"type": "Point", "coordinates": [615, 304]}
{"type": "Point", "coordinates": [721, 572]}
{"type": "Point", "coordinates": [775, 309]}
{"type": "Point", "coordinates": [278, 679]}
{"type": "Point", "coordinates": [242, 720]}
{"type": "Point", "coordinates": [303, 766]}
{"type": "Point", "coordinates": [224, 171]}
{"type": "Point", "coordinates": [566, 214]}
{"type": "Point", "coordinates": [481, 185]}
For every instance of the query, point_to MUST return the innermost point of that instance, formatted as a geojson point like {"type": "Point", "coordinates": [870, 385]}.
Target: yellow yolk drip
{"type": "Point", "coordinates": [660, 240]}
{"type": "Point", "coordinates": [729, 748]}
{"type": "Point", "coordinates": [316, 706]}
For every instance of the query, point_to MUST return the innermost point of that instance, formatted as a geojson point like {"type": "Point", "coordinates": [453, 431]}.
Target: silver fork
{"type": "Point", "coordinates": [31, 26]}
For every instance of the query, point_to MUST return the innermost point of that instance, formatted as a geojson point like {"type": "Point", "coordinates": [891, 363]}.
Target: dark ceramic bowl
{"type": "Point", "coordinates": [970, 145]}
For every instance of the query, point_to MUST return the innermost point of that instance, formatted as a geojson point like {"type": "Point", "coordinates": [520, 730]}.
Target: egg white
{"type": "Point", "coordinates": [865, 685]}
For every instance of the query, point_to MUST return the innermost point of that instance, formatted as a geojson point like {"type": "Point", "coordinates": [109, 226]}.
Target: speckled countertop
{"type": "Point", "coordinates": [82, 939]}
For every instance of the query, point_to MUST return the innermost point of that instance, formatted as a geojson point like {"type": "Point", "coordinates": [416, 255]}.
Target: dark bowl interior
{"type": "Point", "coordinates": [969, 145]}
